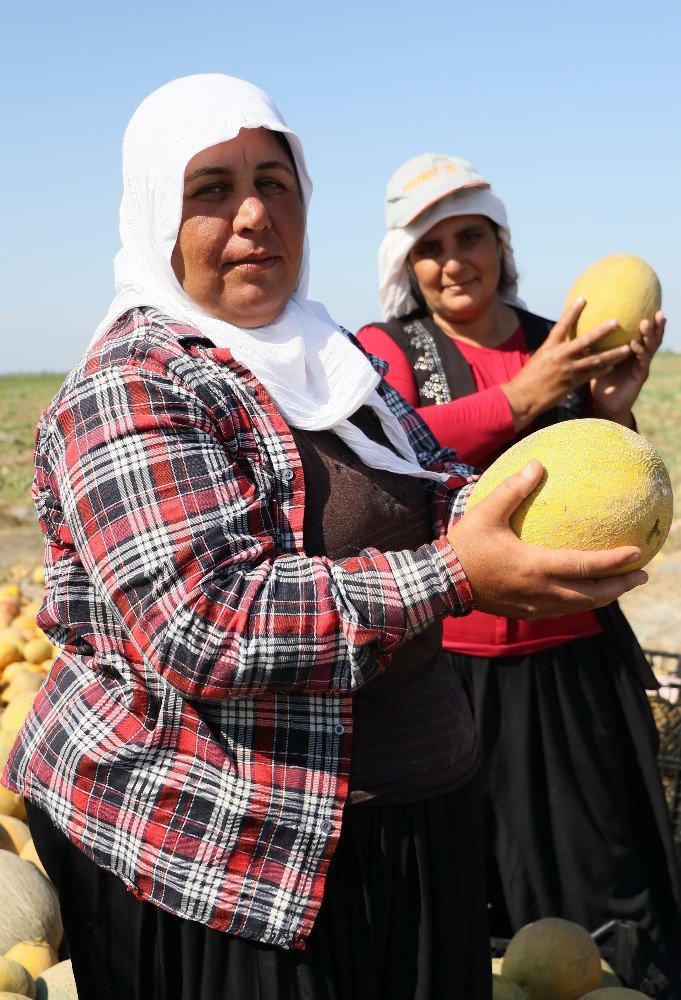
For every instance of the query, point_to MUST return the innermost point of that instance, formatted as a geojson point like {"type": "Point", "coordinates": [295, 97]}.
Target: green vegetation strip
{"type": "Point", "coordinates": [23, 397]}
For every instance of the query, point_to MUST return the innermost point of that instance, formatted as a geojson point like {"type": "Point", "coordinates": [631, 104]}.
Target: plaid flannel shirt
{"type": "Point", "coordinates": [194, 734]}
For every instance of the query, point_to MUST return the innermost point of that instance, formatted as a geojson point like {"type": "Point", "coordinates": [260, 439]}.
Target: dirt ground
{"type": "Point", "coordinates": [654, 610]}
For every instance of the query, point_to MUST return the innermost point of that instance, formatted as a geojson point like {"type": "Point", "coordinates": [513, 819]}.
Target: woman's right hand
{"type": "Point", "coordinates": [559, 366]}
{"type": "Point", "coordinates": [516, 580]}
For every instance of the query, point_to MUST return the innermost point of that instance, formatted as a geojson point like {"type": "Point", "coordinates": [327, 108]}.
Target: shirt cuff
{"type": "Point", "coordinates": [459, 587]}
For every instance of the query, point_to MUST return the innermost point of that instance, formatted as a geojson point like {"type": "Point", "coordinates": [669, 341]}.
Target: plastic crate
{"type": "Point", "coordinates": [666, 707]}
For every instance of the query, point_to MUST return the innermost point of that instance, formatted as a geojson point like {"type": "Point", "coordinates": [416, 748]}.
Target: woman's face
{"type": "Point", "coordinates": [457, 265]}
{"type": "Point", "coordinates": [240, 244]}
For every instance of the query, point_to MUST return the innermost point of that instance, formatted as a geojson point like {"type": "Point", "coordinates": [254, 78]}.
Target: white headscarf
{"type": "Point", "coordinates": [393, 278]}
{"type": "Point", "coordinates": [315, 375]}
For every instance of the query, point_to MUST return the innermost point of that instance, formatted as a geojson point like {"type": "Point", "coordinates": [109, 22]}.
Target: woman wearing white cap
{"type": "Point", "coordinates": [576, 818]}
{"type": "Point", "coordinates": [251, 543]}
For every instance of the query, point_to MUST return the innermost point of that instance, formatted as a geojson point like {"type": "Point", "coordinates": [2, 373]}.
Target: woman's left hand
{"type": "Point", "coordinates": [615, 392]}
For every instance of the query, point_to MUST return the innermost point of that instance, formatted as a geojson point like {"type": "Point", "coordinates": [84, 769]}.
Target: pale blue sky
{"type": "Point", "coordinates": [570, 110]}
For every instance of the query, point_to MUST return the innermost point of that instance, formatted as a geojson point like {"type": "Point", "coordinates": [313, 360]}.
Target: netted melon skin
{"type": "Point", "coordinates": [621, 287]}
{"type": "Point", "coordinates": [603, 486]}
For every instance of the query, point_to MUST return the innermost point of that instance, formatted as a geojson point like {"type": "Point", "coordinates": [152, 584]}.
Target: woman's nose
{"type": "Point", "coordinates": [453, 265]}
{"type": "Point", "coordinates": [251, 214]}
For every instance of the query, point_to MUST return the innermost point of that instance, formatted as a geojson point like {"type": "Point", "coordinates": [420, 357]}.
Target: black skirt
{"type": "Point", "coordinates": [403, 918]}
{"type": "Point", "coordinates": [576, 822]}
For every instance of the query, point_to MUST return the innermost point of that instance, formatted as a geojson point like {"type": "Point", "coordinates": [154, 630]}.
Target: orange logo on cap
{"type": "Point", "coordinates": [429, 174]}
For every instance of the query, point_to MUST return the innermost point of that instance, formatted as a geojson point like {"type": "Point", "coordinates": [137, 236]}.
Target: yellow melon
{"type": "Point", "coordinates": [38, 649]}
{"type": "Point", "coordinates": [58, 983]}
{"type": "Point", "coordinates": [23, 681]}
{"type": "Point", "coordinates": [614, 993]}
{"type": "Point", "coordinates": [14, 978]}
{"type": "Point", "coordinates": [13, 717]}
{"type": "Point", "coordinates": [29, 906]}
{"type": "Point", "coordinates": [35, 956]}
{"type": "Point", "coordinates": [9, 653]}
{"type": "Point", "coordinates": [505, 989]}
{"type": "Point", "coordinates": [603, 486]}
{"type": "Point", "coordinates": [618, 287]}
{"type": "Point", "coordinates": [553, 958]}
{"type": "Point", "coordinates": [29, 853]}
{"type": "Point", "coordinates": [11, 804]}
{"type": "Point", "coordinates": [18, 832]}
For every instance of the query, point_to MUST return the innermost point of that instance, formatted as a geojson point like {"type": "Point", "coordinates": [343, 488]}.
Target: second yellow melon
{"type": "Point", "coordinates": [603, 486]}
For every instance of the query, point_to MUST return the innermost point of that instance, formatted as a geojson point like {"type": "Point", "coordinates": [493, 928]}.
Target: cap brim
{"type": "Point", "coordinates": [440, 196]}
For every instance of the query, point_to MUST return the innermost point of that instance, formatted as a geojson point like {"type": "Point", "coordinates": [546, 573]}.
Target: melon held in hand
{"type": "Point", "coordinates": [603, 486]}
{"type": "Point", "coordinates": [618, 287]}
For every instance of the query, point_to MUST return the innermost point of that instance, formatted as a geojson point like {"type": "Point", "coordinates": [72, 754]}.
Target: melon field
{"type": "Point", "coordinates": [654, 610]}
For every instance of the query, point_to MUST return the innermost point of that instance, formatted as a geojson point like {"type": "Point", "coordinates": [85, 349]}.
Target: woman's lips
{"type": "Point", "coordinates": [252, 265]}
{"type": "Point", "coordinates": [459, 286]}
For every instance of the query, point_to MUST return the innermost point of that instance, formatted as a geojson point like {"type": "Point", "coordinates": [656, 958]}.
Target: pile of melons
{"type": "Point", "coordinates": [31, 931]}
{"type": "Point", "coordinates": [555, 959]}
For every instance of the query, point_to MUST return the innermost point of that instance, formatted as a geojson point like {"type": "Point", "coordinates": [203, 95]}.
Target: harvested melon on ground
{"type": "Point", "coordinates": [38, 649]}
{"type": "Point", "coordinates": [13, 717]}
{"type": "Point", "coordinates": [29, 853]}
{"type": "Point", "coordinates": [10, 652]}
{"type": "Point", "coordinates": [14, 978]}
{"type": "Point", "coordinates": [618, 287]}
{"type": "Point", "coordinates": [21, 682]}
{"type": "Point", "coordinates": [603, 486]}
{"type": "Point", "coordinates": [505, 989]}
{"type": "Point", "coordinates": [25, 626]}
{"type": "Point", "coordinates": [29, 907]}
{"type": "Point", "coordinates": [553, 958]}
{"type": "Point", "coordinates": [17, 831]}
{"type": "Point", "coordinates": [615, 993]}
{"type": "Point", "coordinates": [11, 804]}
{"type": "Point", "coordinates": [36, 956]}
{"type": "Point", "coordinates": [57, 983]}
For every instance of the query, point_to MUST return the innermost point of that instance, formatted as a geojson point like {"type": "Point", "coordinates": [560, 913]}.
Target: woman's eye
{"type": "Point", "coordinates": [430, 249]}
{"type": "Point", "coordinates": [215, 190]}
{"type": "Point", "coordinates": [469, 238]}
{"type": "Point", "coordinates": [270, 184]}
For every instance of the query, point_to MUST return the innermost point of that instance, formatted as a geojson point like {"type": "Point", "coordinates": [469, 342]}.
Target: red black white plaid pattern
{"type": "Point", "coordinates": [194, 734]}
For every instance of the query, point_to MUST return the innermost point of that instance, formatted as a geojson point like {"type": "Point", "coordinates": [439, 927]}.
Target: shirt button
{"type": "Point", "coordinates": [339, 729]}
{"type": "Point", "coordinates": [327, 827]}
{"type": "Point", "coordinates": [288, 475]}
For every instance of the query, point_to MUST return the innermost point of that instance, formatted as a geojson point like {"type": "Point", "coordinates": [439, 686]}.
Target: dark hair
{"type": "Point", "coordinates": [505, 282]}
{"type": "Point", "coordinates": [286, 146]}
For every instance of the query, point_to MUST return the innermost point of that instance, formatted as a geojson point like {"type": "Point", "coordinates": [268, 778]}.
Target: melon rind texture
{"type": "Point", "coordinates": [603, 486]}
{"type": "Point", "coordinates": [620, 287]}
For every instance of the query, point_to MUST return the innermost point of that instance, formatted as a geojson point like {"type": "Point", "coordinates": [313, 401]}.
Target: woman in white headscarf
{"type": "Point", "coordinates": [250, 544]}
{"type": "Point", "coordinates": [576, 821]}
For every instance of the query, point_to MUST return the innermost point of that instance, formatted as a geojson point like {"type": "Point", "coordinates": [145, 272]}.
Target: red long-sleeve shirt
{"type": "Point", "coordinates": [479, 427]}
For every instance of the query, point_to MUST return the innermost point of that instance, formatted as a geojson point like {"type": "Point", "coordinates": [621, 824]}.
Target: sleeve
{"type": "Point", "coordinates": [474, 426]}
{"type": "Point", "coordinates": [178, 536]}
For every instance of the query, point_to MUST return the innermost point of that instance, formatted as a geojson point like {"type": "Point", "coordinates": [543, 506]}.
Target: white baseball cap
{"type": "Point", "coordinates": [424, 180]}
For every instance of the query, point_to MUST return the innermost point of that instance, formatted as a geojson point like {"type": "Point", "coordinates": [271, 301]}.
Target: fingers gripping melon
{"type": "Point", "coordinates": [618, 287]}
{"type": "Point", "coordinates": [603, 486]}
